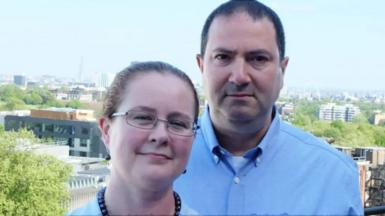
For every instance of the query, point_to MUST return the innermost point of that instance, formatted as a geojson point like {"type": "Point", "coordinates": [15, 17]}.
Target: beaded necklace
{"type": "Point", "coordinates": [103, 207]}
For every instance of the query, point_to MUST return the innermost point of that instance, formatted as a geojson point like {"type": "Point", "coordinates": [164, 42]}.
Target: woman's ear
{"type": "Point", "coordinates": [104, 126]}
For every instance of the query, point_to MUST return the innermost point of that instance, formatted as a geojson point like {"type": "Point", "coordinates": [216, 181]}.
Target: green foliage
{"type": "Point", "coordinates": [33, 98]}
{"type": "Point", "coordinates": [302, 119]}
{"type": "Point", "coordinates": [355, 134]}
{"type": "Point", "coordinates": [30, 184]}
{"type": "Point", "coordinates": [368, 108]}
{"type": "Point", "coordinates": [10, 91]}
{"type": "Point", "coordinates": [74, 104]}
{"type": "Point", "coordinates": [12, 98]}
{"type": "Point", "coordinates": [13, 104]}
{"type": "Point", "coordinates": [361, 119]}
{"type": "Point", "coordinates": [308, 108]}
{"type": "Point", "coordinates": [53, 103]}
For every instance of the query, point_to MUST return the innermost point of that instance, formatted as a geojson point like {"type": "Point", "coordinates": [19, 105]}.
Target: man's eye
{"type": "Point", "coordinates": [222, 57]}
{"type": "Point", "coordinates": [258, 59]}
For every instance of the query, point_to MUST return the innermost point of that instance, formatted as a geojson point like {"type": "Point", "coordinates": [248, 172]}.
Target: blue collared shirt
{"type": "Point", "coordinates": [289, 172]}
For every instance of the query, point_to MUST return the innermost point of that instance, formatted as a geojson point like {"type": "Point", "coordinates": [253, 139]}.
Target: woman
{"type": "Point", "coordinates": [148, 126]}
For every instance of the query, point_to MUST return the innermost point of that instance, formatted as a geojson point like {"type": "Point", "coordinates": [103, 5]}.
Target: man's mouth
{"type": "Point", "coordinates": [240, 94]}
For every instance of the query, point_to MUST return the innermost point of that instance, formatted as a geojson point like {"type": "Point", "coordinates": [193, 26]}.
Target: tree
{"type": "Point", "coordinates": [10, 91]}
{"type": "Point", "coordinates": [14, 103]}
{"type": "Point", "coordinates": [30, 184]}
{"type": "Point", "coordinates": [74, 104]}
{"type": "Point", "coordinates": [360, 119]}
{"type": "Point", "coordinates": [33, 98]}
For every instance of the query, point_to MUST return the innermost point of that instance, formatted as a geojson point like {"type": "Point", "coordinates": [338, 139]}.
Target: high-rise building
{"type": "Point", "coordinates": [20, 80]}
{"type": "Point", "coordinates": [351, 112]}
{"type": "Point", "coordinates": [333, 112]}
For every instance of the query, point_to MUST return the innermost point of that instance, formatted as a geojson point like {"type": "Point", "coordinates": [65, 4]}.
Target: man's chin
{"type": "Point", "coordinates": [241, 115]}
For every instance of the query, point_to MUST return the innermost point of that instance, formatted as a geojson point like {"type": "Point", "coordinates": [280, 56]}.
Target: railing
{"type": "Point", "coordinates": [375, 210]}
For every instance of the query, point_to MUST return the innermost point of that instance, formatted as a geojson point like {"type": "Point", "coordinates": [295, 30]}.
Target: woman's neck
{"type": "Point", "coordinates": [130, 200]}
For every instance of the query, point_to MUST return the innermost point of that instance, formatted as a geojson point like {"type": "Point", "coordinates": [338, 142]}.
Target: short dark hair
{"type": "Point", "coordinates": [253, 8]}
{"type": "Point", "coordinates": [113, 97]}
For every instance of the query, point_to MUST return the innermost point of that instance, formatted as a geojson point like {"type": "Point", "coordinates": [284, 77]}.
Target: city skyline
{"type": "Point", "coordinates": [330, 44]}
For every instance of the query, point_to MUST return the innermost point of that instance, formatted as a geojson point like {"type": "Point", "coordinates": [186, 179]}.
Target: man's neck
{"type": "Point", "coordinates": [238, 139]}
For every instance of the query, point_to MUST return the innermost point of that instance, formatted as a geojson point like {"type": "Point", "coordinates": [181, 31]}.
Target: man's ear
{"type": "Point", "coordinates": [104, 126]}
{"type": "Point", "coordinates": [199, 59]}
{"type": "Point", "coordinates": [284, 64]}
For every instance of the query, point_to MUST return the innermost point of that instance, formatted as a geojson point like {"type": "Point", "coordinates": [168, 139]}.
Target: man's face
{"type": "Point", "coordinates": [241, 69]}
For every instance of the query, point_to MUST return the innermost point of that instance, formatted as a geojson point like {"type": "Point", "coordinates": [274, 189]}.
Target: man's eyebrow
{"type": "Point", "coordinates": [251, 52]}
{"type": "Point", "coordinates": [223, 50]}
{"type": "Point", "coordinates": [259, 51]}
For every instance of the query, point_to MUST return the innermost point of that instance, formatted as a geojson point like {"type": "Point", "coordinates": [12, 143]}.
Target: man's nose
{"type": "Point", "coordinates": [239, 73]}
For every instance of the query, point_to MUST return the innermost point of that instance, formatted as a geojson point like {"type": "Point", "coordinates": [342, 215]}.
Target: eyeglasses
{"type": "Point", "coordinates": [148, 120]}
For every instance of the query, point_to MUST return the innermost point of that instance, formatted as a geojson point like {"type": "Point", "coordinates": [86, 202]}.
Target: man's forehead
{"type": "Point", "coordinates": [238, 17]}
{"type": "Point", "coordinates": [237, 27]}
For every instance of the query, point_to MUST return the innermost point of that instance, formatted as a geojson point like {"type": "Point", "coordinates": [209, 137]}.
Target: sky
{"type": "Point", "coordinates": [330, 44]}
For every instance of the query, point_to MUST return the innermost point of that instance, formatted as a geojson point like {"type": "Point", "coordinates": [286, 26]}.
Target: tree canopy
{"type": "Point", "coordinates": [30, 184]}
{"type": "Point", "coordinates": [14, 98]}
{"type": "Point", "coordinates": [358, 133]}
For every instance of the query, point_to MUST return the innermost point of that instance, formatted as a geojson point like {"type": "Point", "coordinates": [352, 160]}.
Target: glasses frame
{"type": "Point", "coordinates": [194, 127]}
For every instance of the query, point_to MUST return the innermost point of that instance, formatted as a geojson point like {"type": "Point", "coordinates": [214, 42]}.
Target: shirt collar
{"type": "Point", "coordinates": [272, 132]}
{"type": "Point", "coordinates": [209, 135]}
{"type": "Point", "coordinates": [254, 154]}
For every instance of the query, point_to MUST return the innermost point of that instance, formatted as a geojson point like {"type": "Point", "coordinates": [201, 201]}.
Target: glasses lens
{"type": "Point", "coordinates": [180, 127]}
{"type": "Point", "coordinates": [147, 120]}
{"type": "Point", "coordinates": [141, 119]}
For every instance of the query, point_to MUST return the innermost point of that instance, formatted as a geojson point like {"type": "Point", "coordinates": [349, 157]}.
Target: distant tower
{"type": "Point", "coordinates": [20, 80]}
{"type": "Point", "coordinates": [80, 69]}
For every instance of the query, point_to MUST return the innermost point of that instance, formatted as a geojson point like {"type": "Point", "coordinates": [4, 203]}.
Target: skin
{"type": "Point", "coordinates": [146, 162]}
{"type": "Point", "coordinates": [243, 75]}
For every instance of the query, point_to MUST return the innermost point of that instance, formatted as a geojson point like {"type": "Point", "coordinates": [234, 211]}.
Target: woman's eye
{"type": "Point", "coordinates": [143, 117]}
{"type": "Point", "coordinates": [178, 124]}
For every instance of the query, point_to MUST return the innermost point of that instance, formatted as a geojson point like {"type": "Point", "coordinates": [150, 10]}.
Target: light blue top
{"type": "Point", "coordinates": [92, 209]}
{"type": "Point", "coordinates": [289, 172]}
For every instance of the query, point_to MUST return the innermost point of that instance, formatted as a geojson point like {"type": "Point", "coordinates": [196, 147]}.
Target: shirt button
{"type": "Point", "coordinates": [237, 180]}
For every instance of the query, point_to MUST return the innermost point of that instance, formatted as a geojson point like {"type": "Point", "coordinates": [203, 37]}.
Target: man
{"type": "Point", "coordinates": [245, 160]}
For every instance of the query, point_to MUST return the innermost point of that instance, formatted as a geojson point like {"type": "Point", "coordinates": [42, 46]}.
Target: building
{"type": "Point", "coordinates": [286, 110]}
{"type": "Point", "coordinates": [378, 118]}
{"type": "Point", "coordinates": [20, 80]}
{"type": "Point", "coordinates": [80, 94]}
{"type": "Point", "coordinates": [14, 112]}
{"type": "Point", "coordinates": [333, 112]}
{"type": "Point", "coordinates": [350, 112]}
{"type": "Point", "coordinates": [76, 128]}
{"type": "Point", "coordinates": [105, 80]}
{"type": "Point", "coordinates": [89, 176]}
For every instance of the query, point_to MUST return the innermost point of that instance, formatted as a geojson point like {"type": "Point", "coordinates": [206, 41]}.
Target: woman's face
{"type": "Point", "coordinates": [150, 156]}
